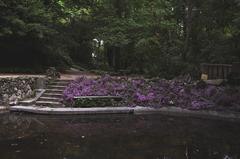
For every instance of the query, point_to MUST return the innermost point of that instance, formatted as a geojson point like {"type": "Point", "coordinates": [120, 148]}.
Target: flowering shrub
{"type": "Point", "coordinates": [155, 93]}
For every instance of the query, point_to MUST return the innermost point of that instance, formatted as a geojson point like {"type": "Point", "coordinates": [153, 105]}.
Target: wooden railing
{"type": "Point", "coordinates": [215, 71]}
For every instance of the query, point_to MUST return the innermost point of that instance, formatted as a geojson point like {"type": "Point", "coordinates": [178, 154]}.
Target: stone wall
{"type": "Point", "coordinates": [15, 89]}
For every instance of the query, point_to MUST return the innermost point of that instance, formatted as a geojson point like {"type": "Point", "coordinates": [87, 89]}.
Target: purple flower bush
{"type": "Point", "coordinates": [157, 93]}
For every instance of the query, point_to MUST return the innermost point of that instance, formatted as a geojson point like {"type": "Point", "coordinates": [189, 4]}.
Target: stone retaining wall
{"type": "Point", "coordinates": [15, 89]}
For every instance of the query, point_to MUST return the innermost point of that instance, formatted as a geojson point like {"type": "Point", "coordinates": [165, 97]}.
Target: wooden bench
{"type": "Point", "coordinates": [215, 71]}
{"type": "Point", "coordinates": [225, 72]}
{"type": "Point", "coordinates": [99, 97]}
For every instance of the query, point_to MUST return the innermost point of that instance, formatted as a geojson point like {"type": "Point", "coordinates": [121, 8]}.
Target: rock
{"type": "Point", "coordinates": [19, 93]}
{"type": "Point", "coordinates": [52, 73]}
{"type": "Point", "coordinates": [13, 98]}
{"type": "Point", "coordinates": [29, 93]}
{"type": "Point", "coordinates": [216, 82]}
{"type": "Point", "coordinates": [171, 102]}
{"type": "Point", "coordinates": [5, 98]}
{"type": "Point", "coordinates": [14, 89]}
{"type": "Point", "coordinates": [13, 103]}
{"type": "Point", "coordinates": [28, 87]}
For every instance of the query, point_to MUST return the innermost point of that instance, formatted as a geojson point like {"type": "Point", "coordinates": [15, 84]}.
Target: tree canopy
{"type": "Point", "coordinates": [155, 37]}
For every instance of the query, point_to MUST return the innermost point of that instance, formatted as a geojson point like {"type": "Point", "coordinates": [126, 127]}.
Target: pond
{"type": "Point", "coordinates": [117, 137]}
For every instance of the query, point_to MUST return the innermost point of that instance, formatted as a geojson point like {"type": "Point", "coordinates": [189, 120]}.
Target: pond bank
{"type": "Point", "coordinates": [170, 111]}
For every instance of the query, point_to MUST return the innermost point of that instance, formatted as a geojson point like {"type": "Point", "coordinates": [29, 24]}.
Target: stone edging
{"type": "Point", "coordinates": [71, 111]}
{"type": "Point", "coordinates": [172, 111]}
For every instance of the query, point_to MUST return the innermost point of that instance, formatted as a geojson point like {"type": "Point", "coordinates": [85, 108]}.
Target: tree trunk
{"type": "Point", "coordinates": [188, 27]}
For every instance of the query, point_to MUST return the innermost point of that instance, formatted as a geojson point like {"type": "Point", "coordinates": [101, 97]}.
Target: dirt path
{"type": "Point", "coordinates": [75, 76]}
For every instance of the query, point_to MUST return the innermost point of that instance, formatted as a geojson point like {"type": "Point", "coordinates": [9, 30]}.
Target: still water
{"type": "Point", "coordinates": [117, 137]}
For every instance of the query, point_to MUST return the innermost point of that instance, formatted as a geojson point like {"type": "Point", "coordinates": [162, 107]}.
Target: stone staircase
{"type": "Point", "coordinates": [53, 95]}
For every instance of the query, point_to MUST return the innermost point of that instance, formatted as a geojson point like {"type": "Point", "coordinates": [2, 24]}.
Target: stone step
{"type": "Point", "coordinates": [54, 91]}
{"type": "Point", "coordinates": [25, 103]}
{"type": "Point", "coordinates": [49, 104]}
{"type": "Point", "coordinates": [52, 99]}
{"type": "Point", "coordinates": [54, 95]}
{"type": "Point", "coordinates": [56, 87]}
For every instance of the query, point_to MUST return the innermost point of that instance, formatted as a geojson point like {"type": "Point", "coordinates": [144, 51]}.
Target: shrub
{"type": "Point", "coordinates": [153, 93]}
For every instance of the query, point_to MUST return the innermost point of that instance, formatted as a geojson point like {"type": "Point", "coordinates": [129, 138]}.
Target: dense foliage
{"type": "Point", "coordinates": [35, 34]}
{"type": "Point", "coordinates": [155, 37]}
{"type": "Point", "coordinates": [155, 93]}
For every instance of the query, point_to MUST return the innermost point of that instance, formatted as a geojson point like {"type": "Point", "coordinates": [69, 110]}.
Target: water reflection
{"type": "Point", "coordinates": [117, 137]}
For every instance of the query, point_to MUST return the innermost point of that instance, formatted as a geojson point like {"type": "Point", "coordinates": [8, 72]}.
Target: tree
{"type": "Point", "coordinates": [145, 36]}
